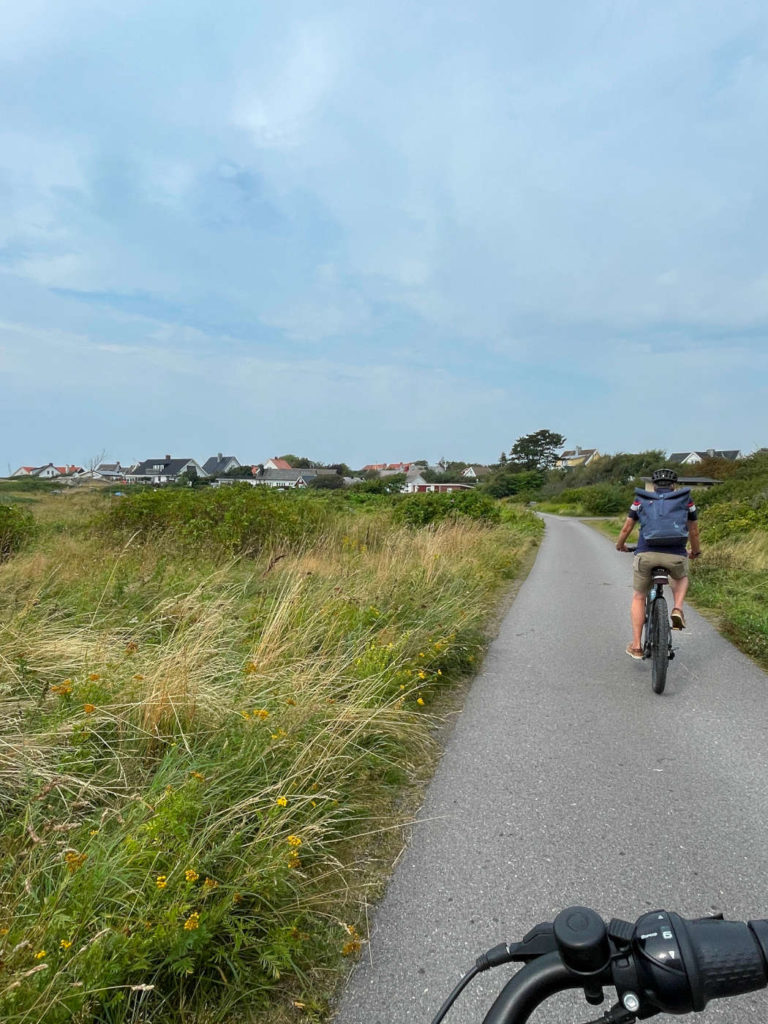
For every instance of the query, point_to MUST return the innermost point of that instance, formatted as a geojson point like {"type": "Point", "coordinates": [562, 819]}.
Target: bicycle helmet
{"type": "Point", "coordinates": [664, 476]}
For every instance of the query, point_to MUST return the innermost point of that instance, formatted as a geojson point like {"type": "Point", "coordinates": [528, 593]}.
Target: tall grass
{"type": "Point", "coordinates": [199, 755]}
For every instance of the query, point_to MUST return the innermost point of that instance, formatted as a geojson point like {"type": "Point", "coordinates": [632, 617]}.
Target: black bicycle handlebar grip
{"type": "Point", "coordinates": [722, 958]}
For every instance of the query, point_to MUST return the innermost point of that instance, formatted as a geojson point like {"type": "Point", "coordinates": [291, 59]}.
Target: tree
{"type": "Point", "coordinates": [299, 462]}
{"type": "Point", "coordinates": [327, 482]}
{"type": "Point", "coordinates": [537, 451]}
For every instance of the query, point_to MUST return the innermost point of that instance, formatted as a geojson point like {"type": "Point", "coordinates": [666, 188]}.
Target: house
{"type": "Point", "coordinates": [284, 478]}
{"type": "Point", "coordinates": [110, 471]}
{"type": "Point", "coordinates": [691, 458]}
{"type": "Point", "coordinates": [277, 464]}
{"type": "Point", "coordinates": [475, 472]}
{"type": "Point", "coordinates": [220, 464]}
{"type": "Point", "coordinates": [442, 488]}
{"type": "Point", "coordinates": [163, 471]}
{"type": "Point", "coordinates": [576, 457]}
{"type": "Point", "coordinates": [48, 472]}
{"type": "Point", "coordinates": [374, 467]}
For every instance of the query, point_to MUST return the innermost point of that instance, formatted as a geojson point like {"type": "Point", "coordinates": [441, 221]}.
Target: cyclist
{"type": "Point", "coordinates": [672, 557]}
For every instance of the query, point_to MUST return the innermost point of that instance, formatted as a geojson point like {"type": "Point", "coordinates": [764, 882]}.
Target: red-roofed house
{"type": "Point", "coordinates": [277, 464]}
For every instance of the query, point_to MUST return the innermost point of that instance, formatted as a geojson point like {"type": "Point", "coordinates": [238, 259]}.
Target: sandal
{"type": "Point", "coordinates": [635, 652]}
{"type": "Point", "coordinates": [678, 619]}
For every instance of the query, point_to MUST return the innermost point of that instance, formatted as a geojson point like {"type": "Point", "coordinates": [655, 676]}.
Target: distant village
{"type": "Point", "coordinates": [225, 470]}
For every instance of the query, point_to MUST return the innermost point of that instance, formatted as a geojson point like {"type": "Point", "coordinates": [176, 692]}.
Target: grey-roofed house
{"type": "Point", "coordinates": [284, 478]}
{"type": "Point", "coordinates": [220, 464]}
{"type": "Point", "coordinates": [163, 471]}
{"type": "Point", "coordinates": [691, 458]}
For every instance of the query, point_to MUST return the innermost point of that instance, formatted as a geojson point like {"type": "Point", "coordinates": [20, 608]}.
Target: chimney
{"type": "Point", "coordinates": [711, 452]}
{"type": "Point", "coordinates": [167, 458]}
{"type": "Point", "coordinates": [578, 450]}
{"type": "Point", "coordinates": [219, 456]}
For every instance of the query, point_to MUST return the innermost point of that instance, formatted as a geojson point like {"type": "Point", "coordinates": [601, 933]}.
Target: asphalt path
{"type": "Point", "coordinates": [565, 781]}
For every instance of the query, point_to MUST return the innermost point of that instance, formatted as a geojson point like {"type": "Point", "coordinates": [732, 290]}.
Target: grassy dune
{"type": "Point", "coordinates": [205, 758]}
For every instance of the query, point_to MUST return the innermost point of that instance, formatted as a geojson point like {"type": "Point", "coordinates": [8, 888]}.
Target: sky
{"type": "Point", "coordinates": [378, 231]}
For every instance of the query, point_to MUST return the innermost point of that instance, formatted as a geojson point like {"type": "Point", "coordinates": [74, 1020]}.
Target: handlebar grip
{"type": "Point", "coordinates": [723, 958]}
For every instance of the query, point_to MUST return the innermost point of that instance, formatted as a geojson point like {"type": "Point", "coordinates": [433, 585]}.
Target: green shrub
{"type": "Point", "coordinates": [421, 509]}
{"type": "Point", "coordinates": [235, 519]}
{"type": "Point", "coordinates": [17, 526]}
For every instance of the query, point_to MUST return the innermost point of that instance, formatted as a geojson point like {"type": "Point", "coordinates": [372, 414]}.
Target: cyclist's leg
{"type": "Point", "coordinates": [638, 618]}
{"type": "Point", "coordinates": [641, 583]}
{"type": "Point", "coordinates": [679, 589]}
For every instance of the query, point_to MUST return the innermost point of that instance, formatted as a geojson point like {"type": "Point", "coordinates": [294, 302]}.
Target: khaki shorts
{"type": "Point", "coordinates": [644, 563]}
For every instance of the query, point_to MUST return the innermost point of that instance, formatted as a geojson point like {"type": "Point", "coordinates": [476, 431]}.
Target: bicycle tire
{"type": "Point", "coordinates": [659, 645]}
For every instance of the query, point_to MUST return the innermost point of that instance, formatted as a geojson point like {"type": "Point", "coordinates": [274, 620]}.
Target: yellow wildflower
{"type": "Point", "coordinates": [93, 832]}
{"type": "Point", "coordinates": [420, 700]}
{"type": "Point", "coordinates": [192, 923]}
{"type": "Point", "coordinates": [294, 840]}
{"type": "Point", "coordinates": [89, 708]}
{"type": "Point", "coordinates": [282, 801]}
{"type": "Point", "coordinates": [191, 875]}
{"type": "Point", "coordinates": [65, 943]}
{"type": "Point", "coordinates": [161, 881]}
{"type": "Point", "coordinates": [210, 883]}
{"type": "Point", "coordinates": [422, 674]}
{"type": "Point", "coordinates": [74, 860]}
{"type": "Point", "coordinates": [198, 776]}
{"type": "Point", "coordinates": [94, 676]}
{"type": "Point", "coordinates": [260, 713]}
{"type": "Point", "coordinates": [40, 955]}
{"type": "Point", "coordinates": [245, 714]}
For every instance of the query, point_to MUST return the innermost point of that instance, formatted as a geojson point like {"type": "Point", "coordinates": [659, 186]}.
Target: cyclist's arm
{"type": "Point", "coordinates": [693, 537]}
{"type": "Point", "coordinates": [627, 528]}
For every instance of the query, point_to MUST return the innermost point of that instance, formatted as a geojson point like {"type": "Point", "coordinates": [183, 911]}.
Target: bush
{"type": "Point", "coordinates": [235, 519]}
{"type": "Point", "coordinates": [17, 526]}
{"type": "Point", "coordinates": [421, 509]}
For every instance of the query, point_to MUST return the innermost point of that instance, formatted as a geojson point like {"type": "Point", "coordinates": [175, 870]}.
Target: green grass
{"type": "Point", "coordinates": [207, 746]}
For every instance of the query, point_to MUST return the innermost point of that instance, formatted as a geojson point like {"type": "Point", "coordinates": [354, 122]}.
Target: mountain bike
{"type": "Point", "coordinates": [657, 634]}
{"type": "Point", "coordinates": [663, 963]}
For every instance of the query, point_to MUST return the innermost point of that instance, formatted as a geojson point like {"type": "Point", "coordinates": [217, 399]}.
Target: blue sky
{"type": "Point", "coordinates": [370, 231]}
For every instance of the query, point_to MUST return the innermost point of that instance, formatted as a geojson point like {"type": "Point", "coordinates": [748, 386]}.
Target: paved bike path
{"type": "Point", "coordinates": [567, 780]}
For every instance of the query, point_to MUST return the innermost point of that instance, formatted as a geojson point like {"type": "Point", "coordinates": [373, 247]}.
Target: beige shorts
{"type": "Point", "coordinates": [644, 563]}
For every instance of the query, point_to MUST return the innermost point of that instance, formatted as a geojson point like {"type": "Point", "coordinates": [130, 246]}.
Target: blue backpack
{"type": "Point", "coordinates": [664, 515]}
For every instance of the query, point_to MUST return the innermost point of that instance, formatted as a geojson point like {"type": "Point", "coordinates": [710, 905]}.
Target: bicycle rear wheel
{"type": "Point", "coordinates": [659, 644]}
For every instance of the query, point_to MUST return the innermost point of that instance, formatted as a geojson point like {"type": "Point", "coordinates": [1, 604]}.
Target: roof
{"type": "Point", "coordinates": [287, 475]}
{"type": "Point", "coordinates": [168, 467]}
{"type": "Point", "coordinates": [710, 453]}
{"type": "Point", "coordinates": [218, 464]}
{"type": "Point", "coordinates": [280, 464]}
{"type": "Point", "coordinates": [573, 454]}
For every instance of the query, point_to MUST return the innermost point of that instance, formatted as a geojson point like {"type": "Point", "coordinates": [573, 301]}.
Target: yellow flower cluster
{"type": "Point", "coordinates": [192, 923]}
{"type": "Point", "coordinates": [261, 713]}
{"type": "Point", "coordinates": [94, 676]}
{"type": "Point", "coordinates": [354, 943]}
{"type": "Point", "coordinates": [40, 955]}
{"type": "Point", "coordinates": [282, 801]}
{"type": "Point", "coordinates": [63, 689]}
{"type": "Point", "coordinates": [210, 884]}
{"type": "Point", "coordinates": [74, 860]}
{"type": "Point", "coordinates": [161, 881]}
{"type": "Point", "coordinates": [191, 875]}
{"type": "Point", "coordinates": [89, 708]}
{"type": "Point", "coordinates": [65, 943]}
{"type": "Point", "coordinates": [294, 840]}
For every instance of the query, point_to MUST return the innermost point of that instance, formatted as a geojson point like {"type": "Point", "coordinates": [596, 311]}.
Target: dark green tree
{"type": "Point", "coordinates": [538, 450]}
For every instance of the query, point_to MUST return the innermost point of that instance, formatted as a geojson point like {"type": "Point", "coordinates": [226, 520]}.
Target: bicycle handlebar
{"type": "Point", "coordinates": [663, 963]}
